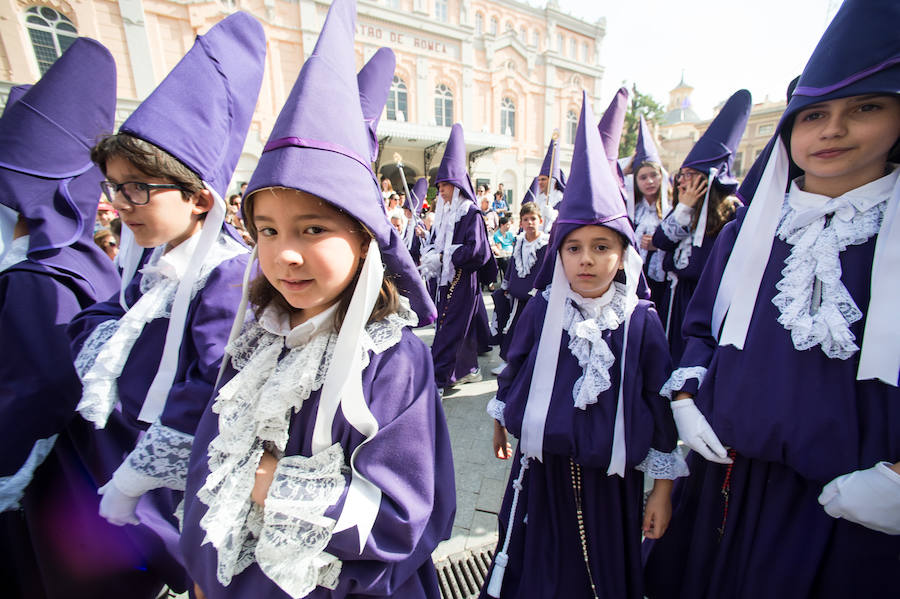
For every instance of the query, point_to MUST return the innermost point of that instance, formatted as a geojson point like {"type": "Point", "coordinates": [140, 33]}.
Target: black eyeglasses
{"type": "Point", "coordinates": [134, 192]}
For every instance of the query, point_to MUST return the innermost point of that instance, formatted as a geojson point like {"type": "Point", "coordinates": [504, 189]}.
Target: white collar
{"type": "Point", "coordinates": [178, 258]}
{"type": "Point", "coordinates": [277, 321]}
{"type": "Point", "coordinates": [862, 198]}
{"type": "Point", "coordinates": [592, 305]}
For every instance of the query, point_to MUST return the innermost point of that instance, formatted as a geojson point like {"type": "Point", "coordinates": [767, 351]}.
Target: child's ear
{"type": "Point", "coordinates": [203, 201]}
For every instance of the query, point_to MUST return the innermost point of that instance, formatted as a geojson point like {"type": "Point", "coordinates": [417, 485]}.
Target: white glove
{"type": "Point", "coordinates": [116, 506]}
{"type": "Point", "coordinates": [868, 497]}
{"type": "Point", "coordinates": [696, 433]}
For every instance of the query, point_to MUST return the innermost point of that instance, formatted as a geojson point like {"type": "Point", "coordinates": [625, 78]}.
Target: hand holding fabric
{"type": "Point", "coordinates": [696, 432]}
{"type": "Point", "coordinates": [867, 497]}
{"type": "Point", "coordinates": [117, 507]}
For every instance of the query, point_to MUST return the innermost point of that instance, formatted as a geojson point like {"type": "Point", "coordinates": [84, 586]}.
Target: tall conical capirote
{"type": "Point", "coordinates": [717, 146]}
{"type": "Point", "coordinates": [610, 127]}
{"type": "Point", "coordinates": [374, 81]}
{"type": "Point", "coordinates": [592, 195]}
{"type": "Point", "coordinates": [201, 112]}
{"type": "Point", "coordinates": [454, 167]}
{"type": "Point", "coordinates": [46, 173]}
{"type": "Point", "coordinates": [320, 145]}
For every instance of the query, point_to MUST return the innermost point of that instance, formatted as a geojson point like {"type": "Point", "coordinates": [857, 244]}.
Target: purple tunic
{"type": "Point", "coordinates": [545, 554]}
{"type": "Point", "coordinates": [455, 346]}
{"type": "Point", "coordinates": [810, 422]}
{"type": "Point", "coordinates": [409, 460]}
{"type": "Point", "coordinates": [517, 288]}
{"type": "Point", "coordinates": [102, 451]}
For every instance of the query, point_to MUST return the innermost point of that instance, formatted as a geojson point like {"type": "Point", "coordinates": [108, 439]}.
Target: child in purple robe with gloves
{"type": "Point", "coordinates": [581, 392]}
{"type": "Point", "coordinates": [788, 386]}
{"type": "Point", "coordinates": [322, 468]}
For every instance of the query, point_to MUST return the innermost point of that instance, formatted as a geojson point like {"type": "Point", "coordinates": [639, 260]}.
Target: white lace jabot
{"type": "Point", "coordinates": [525, 253]}
{"type": "Point", "coordinates": [815, 305]}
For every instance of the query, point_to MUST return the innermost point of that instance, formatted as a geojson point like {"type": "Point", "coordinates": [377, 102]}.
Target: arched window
{"type": "Point", "coordinates": [396, 102]}
{"type": "Point", "coordinates": [508, 117]}
{"type": "Point", "coordinates": [536, 39]}
{"type": "Point", "coordinates": [585, 57]}
{"type": "Point", "coordinates": [571, 126]}
{"type": "Point", "coordinates": [443, 106]}
{"type": "Point", "coordinates": [523, 35]}
{"type": "Point", "coordinates": [559, 43]}
{"type": "Point", "coordinates": [509, 27]}
{"type": "Point", "coordinates": [51, 34]}
{"type": "Point", "coordinates": [573, 49]}
{"type": "Point", "coordinates": [494, 25]}
{"type": "Point", "coordinates": [479, 23]}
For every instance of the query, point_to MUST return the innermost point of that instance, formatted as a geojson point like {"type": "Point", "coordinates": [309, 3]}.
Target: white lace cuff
{"type": "Point", "coordinates": [160, 459]}
{"type": "Point", "coordinates": [295, 532]}
{"type": "Point", "coordinates": [683, 215]}
{"type": "Point", "coordinates": [92, 346]}
{"type": "Point", "coordinates": [673, 228]}
{"type": "Point", "coordinates": [12, 487]}
{"type": "Point", "coordinates": [495, 410]}
{"type": "Point", "coordinates": [680, 377]}
{"type": "Point", "coordinates": [668, 466]}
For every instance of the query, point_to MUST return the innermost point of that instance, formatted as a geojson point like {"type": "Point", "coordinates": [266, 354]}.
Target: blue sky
{"type": "Point", "coordinates": [721, 45]}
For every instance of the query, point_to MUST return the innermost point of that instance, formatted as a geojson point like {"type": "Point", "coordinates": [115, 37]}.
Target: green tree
{"type": "Point", "coordinates": [644, 104]}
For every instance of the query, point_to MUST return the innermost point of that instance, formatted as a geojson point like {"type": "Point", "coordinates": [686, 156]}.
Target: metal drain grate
{"type": "Point", "coordinates": [462, 575]}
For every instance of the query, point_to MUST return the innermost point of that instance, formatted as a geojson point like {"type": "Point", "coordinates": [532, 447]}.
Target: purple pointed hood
{"type": "Point", "coordinates": [454, 169]}
{"type": "Point", "coordinates": [532, 192]}
{"type": "Point", "coordinates": [320, 145]}
{"type": "Point", "coordinates": [592, 195]}
{"type": "Point", "coordinates": [374, 81]}
{"type": "Point", "coordinates": [645, 150]}
{"type": "Point", "coordinates": [417, 196]}
{"type": "Point", "coordinates": [15, 94]}
{"type": "Point", "coordinates": [718, 144]}
{"type": "Point", "coordinates": [210, 93]}
{"type": "Point", "coordinates": [610, 126]}
{"type": "Point", "coordinates": [550, 166]}
{"type": "Point", "coordinates": [858, 54]}
{"type": "Point", "coordinates": [46, 173]}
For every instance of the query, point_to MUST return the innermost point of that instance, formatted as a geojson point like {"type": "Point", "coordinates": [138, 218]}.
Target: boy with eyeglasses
{"type": "Point", "coordinates": [149, 357]}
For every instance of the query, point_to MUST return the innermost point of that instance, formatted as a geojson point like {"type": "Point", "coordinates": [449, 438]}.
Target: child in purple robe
{"type": "Point", "coordinates": [457, 254]}
{"type": "Point", "coordinates": [650, 201]}
{"type": "Point", "coordinates": [322, 468]}
{"type": "Point", "coordinates": [581, 393]}
{"type": "Point", "coordinates": [793, 349]}
{"type": "Point", "coordinates": [518, 281]}
{"type": "Point", "coordinates": [149, 356]}
{"type": "Point", "coordinates": [703, 203]}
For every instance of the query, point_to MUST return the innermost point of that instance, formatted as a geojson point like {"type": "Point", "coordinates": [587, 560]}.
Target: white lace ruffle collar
{"type": "Point", "coordinates": [525, 252]}
{"type": "Point", "coordinates": [255, 409]}
{"type": "Point", "coordinates": [278, 322]}
{"type": "Point", "coordinates": [585, 320]}
{"type": "Point", "coordinates": [815, 305]}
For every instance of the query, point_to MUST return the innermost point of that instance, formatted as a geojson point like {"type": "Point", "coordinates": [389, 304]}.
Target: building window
{"type": "Point", "coordinates": [479, 23]}
{"type": "Point", "coordinates": [494, 25]}
{"type": "Point", "coordinates": [396, 102]}
{"type": "Point", "coordinates": [523, 35]}
{"type": "Point", "coordinates": [443, 106]}
{"type": "Point", "coordinates": [571, 126]}
{"type": "Point", "coordinates": [508, 117]}
{"type": "Point", "coordinates": [51, 34]}
{"type": "Point", "coordinates": [395, 4]}
{"type": "Point", "coordinates": [559, 43]}
{"type": "Point", "coordinates": [536, 39]}
{"type": "Point", "coordinates": [440, 10]}
{"type": "Point", "coordinates": [765, 129]}
{"type": "Point", "coordinates": [738, 164]}
{"type": "Point", "coordinates": [573, 49]}
{"type": "Point", "coordinates": [585, 57]}
{"type": "Point", "coordinates": [509, 27]}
